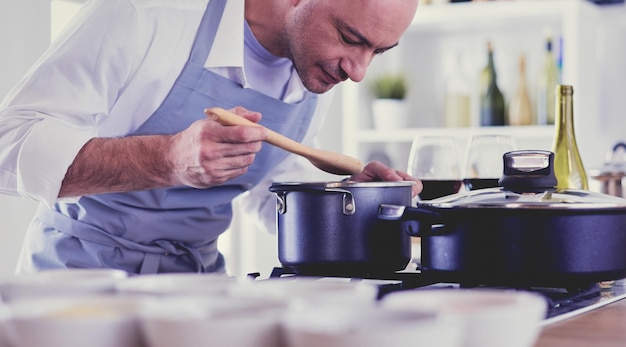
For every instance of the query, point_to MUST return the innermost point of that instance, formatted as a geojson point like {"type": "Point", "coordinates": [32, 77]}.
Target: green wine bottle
{"type": "Point", "coordinates": [547, 81]}
{"type": "Point", "coordinates": [568, 166]}
{"type": "Point", "coordinates": [492, 109]}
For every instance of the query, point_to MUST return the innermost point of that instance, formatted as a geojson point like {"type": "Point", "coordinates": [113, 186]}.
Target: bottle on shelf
{"type": "Point", "coordinates": [457, 97]}
{"type": "Point", "coordinates": [547, 82]}
{"type": "Point", "coordinates": [492, 109]}
{"type": "Point", "coordinates": [520, 108]}
{"type": "Point", "coordinates": [568, 165]}
{"type": "Point", "coordinates": [559, 61]}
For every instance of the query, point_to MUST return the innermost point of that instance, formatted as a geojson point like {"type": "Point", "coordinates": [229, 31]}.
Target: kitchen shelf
{"type": "Point", "coordinates": [407, 135]}
{"type": "Point", "coordinates": [492, 15]}
{"type": "Point", "coordinates": [590, 45]}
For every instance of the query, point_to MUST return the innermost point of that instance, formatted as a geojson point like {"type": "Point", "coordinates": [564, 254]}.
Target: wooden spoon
{"type": "Point", "coordinates": [331, 162]}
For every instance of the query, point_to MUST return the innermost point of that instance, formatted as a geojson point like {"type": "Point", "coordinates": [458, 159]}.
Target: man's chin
{"type": "Point", "coordinates": [319, 88]}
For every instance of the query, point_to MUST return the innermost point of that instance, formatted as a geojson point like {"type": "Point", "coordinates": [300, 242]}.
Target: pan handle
{"type": "Point", "coordinates": [348, 202]}
{"type": "Point", "coordinates": [424, 218]}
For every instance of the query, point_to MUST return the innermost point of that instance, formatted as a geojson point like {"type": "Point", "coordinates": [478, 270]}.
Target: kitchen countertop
{"type": "Point", "coordinates": [602, 327]}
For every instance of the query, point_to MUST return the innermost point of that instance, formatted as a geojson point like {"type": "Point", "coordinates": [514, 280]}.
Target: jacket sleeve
{"type": "Point", "coordinates": [56, 107]}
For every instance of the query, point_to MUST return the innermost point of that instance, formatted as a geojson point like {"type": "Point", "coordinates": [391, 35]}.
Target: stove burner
{"type": "Point", "coordinates": [562, 302]}
{"type": "Point", "coordinates": [558, 297]}
{"type": "Point", "coordinates": [387, 283]}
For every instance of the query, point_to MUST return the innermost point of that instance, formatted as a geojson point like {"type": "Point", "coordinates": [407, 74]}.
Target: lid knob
{"type": "Point", "coordinates": [528, 171]}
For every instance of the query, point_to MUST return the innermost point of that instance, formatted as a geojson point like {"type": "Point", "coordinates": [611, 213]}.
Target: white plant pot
{"type": "Point", "coordinates": [390, 114]}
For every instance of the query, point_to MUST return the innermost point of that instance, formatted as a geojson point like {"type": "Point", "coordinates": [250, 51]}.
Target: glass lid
{"type": "Point", "coordinates": [528, 182]}
{"type": "Point", "coordinates": [548, 199]}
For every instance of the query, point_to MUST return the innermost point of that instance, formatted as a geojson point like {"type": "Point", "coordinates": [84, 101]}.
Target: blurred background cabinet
{"type": "Point", "coordinates": [449, 37]}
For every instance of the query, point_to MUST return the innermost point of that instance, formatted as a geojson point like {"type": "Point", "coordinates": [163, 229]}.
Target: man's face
{"type": "Point", "coordinates": [330, 41]}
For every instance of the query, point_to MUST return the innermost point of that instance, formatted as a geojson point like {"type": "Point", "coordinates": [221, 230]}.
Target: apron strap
{"type": "Point", "coordinates": [210, 22]}
{"type": "Point", "coordinates": [152, 253]}
{"type": "Point", "coordinates": [150, 264]}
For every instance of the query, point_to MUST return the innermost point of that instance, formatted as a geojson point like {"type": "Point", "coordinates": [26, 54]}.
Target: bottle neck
{"type": "Point", "coordinates": [522, 72]}
{"type": "Point", "coordinates": [493, 82]}
{"type": "Point", "coordinates": [565, 114]}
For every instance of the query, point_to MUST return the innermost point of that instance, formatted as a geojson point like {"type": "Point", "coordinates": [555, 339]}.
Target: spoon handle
{"type": "Point", "coordinates": [228, 118]}
{"type": "Point", "coordinates": [328, 161]}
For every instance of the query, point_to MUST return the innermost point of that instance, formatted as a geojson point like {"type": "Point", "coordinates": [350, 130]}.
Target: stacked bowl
{"type": "Point", "coordinates": [107, 308]}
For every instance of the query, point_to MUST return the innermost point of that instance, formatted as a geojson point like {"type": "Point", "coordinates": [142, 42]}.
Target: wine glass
{"type": "Point", "coordinates": [435, 161]}
{"type": "Point", "coordinates": [483, 160]}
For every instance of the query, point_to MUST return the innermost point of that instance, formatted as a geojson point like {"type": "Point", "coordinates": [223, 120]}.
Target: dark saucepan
{"type": "Point", "coordinates": [525, 233]}
{"type": "Point", "coordinates": [332, 228]}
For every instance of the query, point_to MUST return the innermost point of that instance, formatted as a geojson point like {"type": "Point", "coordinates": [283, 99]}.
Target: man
{"type": "Point", "coordinates": [108, 130]}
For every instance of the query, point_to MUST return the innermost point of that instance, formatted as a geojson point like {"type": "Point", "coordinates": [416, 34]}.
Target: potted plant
{"type": "Point", "coordinates": [390, 87]}
{"type": "Point", "coordinates": [389, 107]}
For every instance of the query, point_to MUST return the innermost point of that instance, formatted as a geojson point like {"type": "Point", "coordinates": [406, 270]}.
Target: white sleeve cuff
{"type": "Point", "coordinates": [45, 156]}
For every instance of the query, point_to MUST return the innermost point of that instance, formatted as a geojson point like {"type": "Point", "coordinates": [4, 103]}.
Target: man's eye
{"type": "Point", "coordinates": [347, 40]}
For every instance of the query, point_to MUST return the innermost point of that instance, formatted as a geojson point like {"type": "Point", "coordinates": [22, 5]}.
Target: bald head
{"type": "Point", "coordinates": [330, 41]}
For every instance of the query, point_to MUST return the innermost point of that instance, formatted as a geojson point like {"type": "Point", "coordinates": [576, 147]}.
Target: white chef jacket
{"type": "Point", "coordinates": [73, 93]}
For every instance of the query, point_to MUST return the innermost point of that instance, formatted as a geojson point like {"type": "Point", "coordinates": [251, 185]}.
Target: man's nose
{"type": "Point", "coordinates": [356, 66]}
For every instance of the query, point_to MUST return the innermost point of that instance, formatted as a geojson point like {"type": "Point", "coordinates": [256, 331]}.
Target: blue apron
{"type": "Point", "coordinates": [173, 229]}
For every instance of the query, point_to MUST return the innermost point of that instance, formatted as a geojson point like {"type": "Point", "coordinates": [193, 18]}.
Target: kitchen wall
{"type": "Point", "coordinates": [24, 35]}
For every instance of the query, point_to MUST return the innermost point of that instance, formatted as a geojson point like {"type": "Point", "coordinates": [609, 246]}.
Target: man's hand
{"type": "Point", "coordinates": [208, 154]}
{"type": "Point", "coordinates": [377, 171]}
{"type": "Point", "coordinates": [204, 155]}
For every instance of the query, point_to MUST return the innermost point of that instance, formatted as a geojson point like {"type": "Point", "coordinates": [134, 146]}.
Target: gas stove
{"type": "Point", "coordinates": [563, 303]}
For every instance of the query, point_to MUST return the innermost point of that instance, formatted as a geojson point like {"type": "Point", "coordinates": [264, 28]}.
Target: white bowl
{"type": "Point", "coordinates": [220, 321]}
{"type": "Point", "coordinates": [367, 326]}
{"type": "Point", "coordinates": [320, 290]}
{"type": "Point", "coordinates": [492, 318]}
{"type": "Point", "coordinates": [177, 284]}
{"type": "Point", "coordinates": [60, 282]}
{"type": "Point", "coordinates": [94, 321]}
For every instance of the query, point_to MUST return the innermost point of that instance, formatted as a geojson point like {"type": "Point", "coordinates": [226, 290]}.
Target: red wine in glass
{"type": "Point", "coordinates": [437, 188]}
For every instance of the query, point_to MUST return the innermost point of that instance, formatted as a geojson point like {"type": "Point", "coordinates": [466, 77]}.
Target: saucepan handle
{"type": "Point", "coordinates": [618, 146]}
{"type": "Point", "coordinates": [424, 218]}
{"type": "Point", "coordinates": [348, 201]}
